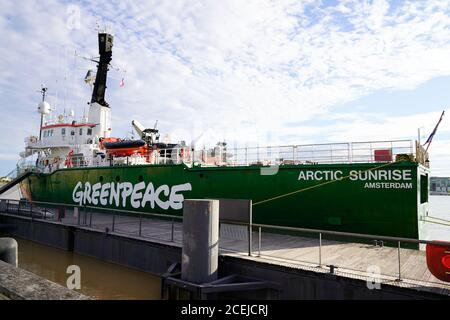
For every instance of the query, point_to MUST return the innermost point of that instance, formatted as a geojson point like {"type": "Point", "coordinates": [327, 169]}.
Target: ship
{"type": "Point", "coordinates": [369, 187]}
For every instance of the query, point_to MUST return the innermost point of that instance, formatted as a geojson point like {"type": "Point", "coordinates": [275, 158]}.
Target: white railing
{"type": "Point", "coordinates": [330, 153]}
{"type": "Point", "coordinates": [351, 152]}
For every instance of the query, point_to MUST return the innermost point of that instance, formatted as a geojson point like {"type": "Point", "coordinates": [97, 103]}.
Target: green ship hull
{"type": "Point", "coordinates": [372, 198]}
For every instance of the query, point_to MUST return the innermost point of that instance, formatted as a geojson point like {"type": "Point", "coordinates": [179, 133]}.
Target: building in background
{"type": "Point", "coordinates": [440, 185]}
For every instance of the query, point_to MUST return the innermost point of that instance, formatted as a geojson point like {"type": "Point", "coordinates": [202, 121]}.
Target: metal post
{"type": "Point", "coordinates": [350, 152]}
{"type": "Point", "coordinates": [90, 219]}
{"type": "Point", "coordinates": [140, 225]}
{"type": "Point", "coordinates": [200, 245]}
{"type": "Point", "coordinates": [246, 156]}
{"type": "Point", "coordinates": [9, 251]}
{"type": "Point", "coordinates": [31, 211]}
{"type": "Point", "coordinates": [113, 222]}
{"type": "Point", "coordinates": [320, 249]}
{"type": "Point", "coordinates": [259, 241]}
{"type": "Point", "coordinates": [79, 216]}
{"type": "Point", "coordinates": [171, 235]}
{"type": "Point", "coordinates": [399, 264]}
{"type": "Point", "coordinates": [250, 239]}
{"type": "Point", "coordinates": [257, 154]}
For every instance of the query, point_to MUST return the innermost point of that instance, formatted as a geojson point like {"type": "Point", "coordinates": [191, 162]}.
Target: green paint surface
{"type": "Point", "coordinates": [341, 205]}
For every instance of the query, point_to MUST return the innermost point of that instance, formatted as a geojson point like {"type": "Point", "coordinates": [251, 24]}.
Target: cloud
{"type": "Point", "coordinates": [236, 70]}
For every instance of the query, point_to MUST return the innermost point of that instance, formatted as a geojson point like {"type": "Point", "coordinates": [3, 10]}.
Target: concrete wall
{"type": "Point", "coordinates": [44, 232]}
{"type": "Point", "coordinates": [303, 284]}
{"type": "Point", "coordinates": [137, 253]}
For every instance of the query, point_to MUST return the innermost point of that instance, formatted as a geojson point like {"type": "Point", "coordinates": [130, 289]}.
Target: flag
{"type": "Point", "coordinates": [435, 129]}
{"type": "Point", "coordinates": [122, 83]}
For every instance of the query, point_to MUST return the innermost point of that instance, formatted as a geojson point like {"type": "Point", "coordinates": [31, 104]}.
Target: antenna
{"type": "Point", "coordinates": [43, 108]}
{"type": "Point", "coordinates": [156, 123]}
{"type": "Point", "coordinates": [43, 91]}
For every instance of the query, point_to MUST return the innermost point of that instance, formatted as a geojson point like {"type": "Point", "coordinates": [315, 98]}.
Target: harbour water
{"type": "Point", "coordinates": [438, 225]}
{"type": "Point", "coordinates": [99, 279]}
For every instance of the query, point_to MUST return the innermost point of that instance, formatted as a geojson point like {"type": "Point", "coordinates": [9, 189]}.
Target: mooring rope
{"type": "Point", "coordinates": [320, 184]}
{"type": "Point", "coordinates": [440, 219]}
{"type": "Point", "coordinates": [440, 223]}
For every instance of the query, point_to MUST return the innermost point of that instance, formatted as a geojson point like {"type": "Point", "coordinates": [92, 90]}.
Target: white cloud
{"type": "Point", "coordinates": [239, 68]}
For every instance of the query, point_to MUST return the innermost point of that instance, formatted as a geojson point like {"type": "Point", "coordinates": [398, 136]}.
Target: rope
{"type": "Point", "coordinates": [319, 185]}
{"type": "Point", "coordinates": [440, 223]}
{"type": "Point", "coordinates": [440, 219]}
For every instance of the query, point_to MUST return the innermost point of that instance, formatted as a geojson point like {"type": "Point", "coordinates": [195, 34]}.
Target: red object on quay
{"type": "Point", "coordinates": [438, 261]}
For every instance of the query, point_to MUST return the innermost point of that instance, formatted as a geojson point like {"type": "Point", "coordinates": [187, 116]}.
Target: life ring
{"type": "Point", "coordinates": [438, 261]}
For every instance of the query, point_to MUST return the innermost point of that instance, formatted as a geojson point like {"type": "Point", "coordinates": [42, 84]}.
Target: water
{"type": "Point", "coordinates": [99, 279]}
{"type": "Point", "coordinates": [439, 207]}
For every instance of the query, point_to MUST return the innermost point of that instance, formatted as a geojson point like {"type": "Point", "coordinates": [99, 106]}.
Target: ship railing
{"type": "Point", "coordinates": [331, 153]}
{"type": "Point", "coordinates": [168, 228]}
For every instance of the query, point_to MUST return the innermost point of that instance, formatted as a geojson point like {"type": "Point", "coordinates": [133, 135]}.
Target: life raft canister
{"type": "Point", "coordinates": [438, 261]}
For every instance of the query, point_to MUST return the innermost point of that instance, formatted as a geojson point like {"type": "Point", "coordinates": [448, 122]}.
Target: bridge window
{"type": "Point", "coordinates": [89, 131]}
{"type": "Point", "coordinates": [63, 131]}
{"type": "Point", "coordinates": [72, 133]}
{"type": "Point", "coordinates": [81, 131]}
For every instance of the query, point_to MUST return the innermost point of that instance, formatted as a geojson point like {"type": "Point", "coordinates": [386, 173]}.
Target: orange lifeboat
{"type": "Point", "coordinates": [125, 148]}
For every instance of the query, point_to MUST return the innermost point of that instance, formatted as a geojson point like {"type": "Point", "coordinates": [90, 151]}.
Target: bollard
{"type": "Point", "coordinates": [200, 252]}
{"type": "Point", "coordinates": [9, 251]}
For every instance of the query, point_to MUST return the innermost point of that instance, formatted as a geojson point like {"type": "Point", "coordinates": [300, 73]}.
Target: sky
{"type": "Point", "coordinates": [248, 72]}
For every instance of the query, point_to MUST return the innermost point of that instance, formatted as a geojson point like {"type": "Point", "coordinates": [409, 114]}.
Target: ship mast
{"type": "Point", "coordinates": [99, 111]}
{"type": "Point", "coordinates": [105, 43]}
{"type": "Point", "coordinates": [44, 92]}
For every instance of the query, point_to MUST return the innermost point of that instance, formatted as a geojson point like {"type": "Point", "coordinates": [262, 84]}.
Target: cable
{"type": "Point", "coordinates": [443, 224]}
{"type": "Point", "coordinates": [319, 185]}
